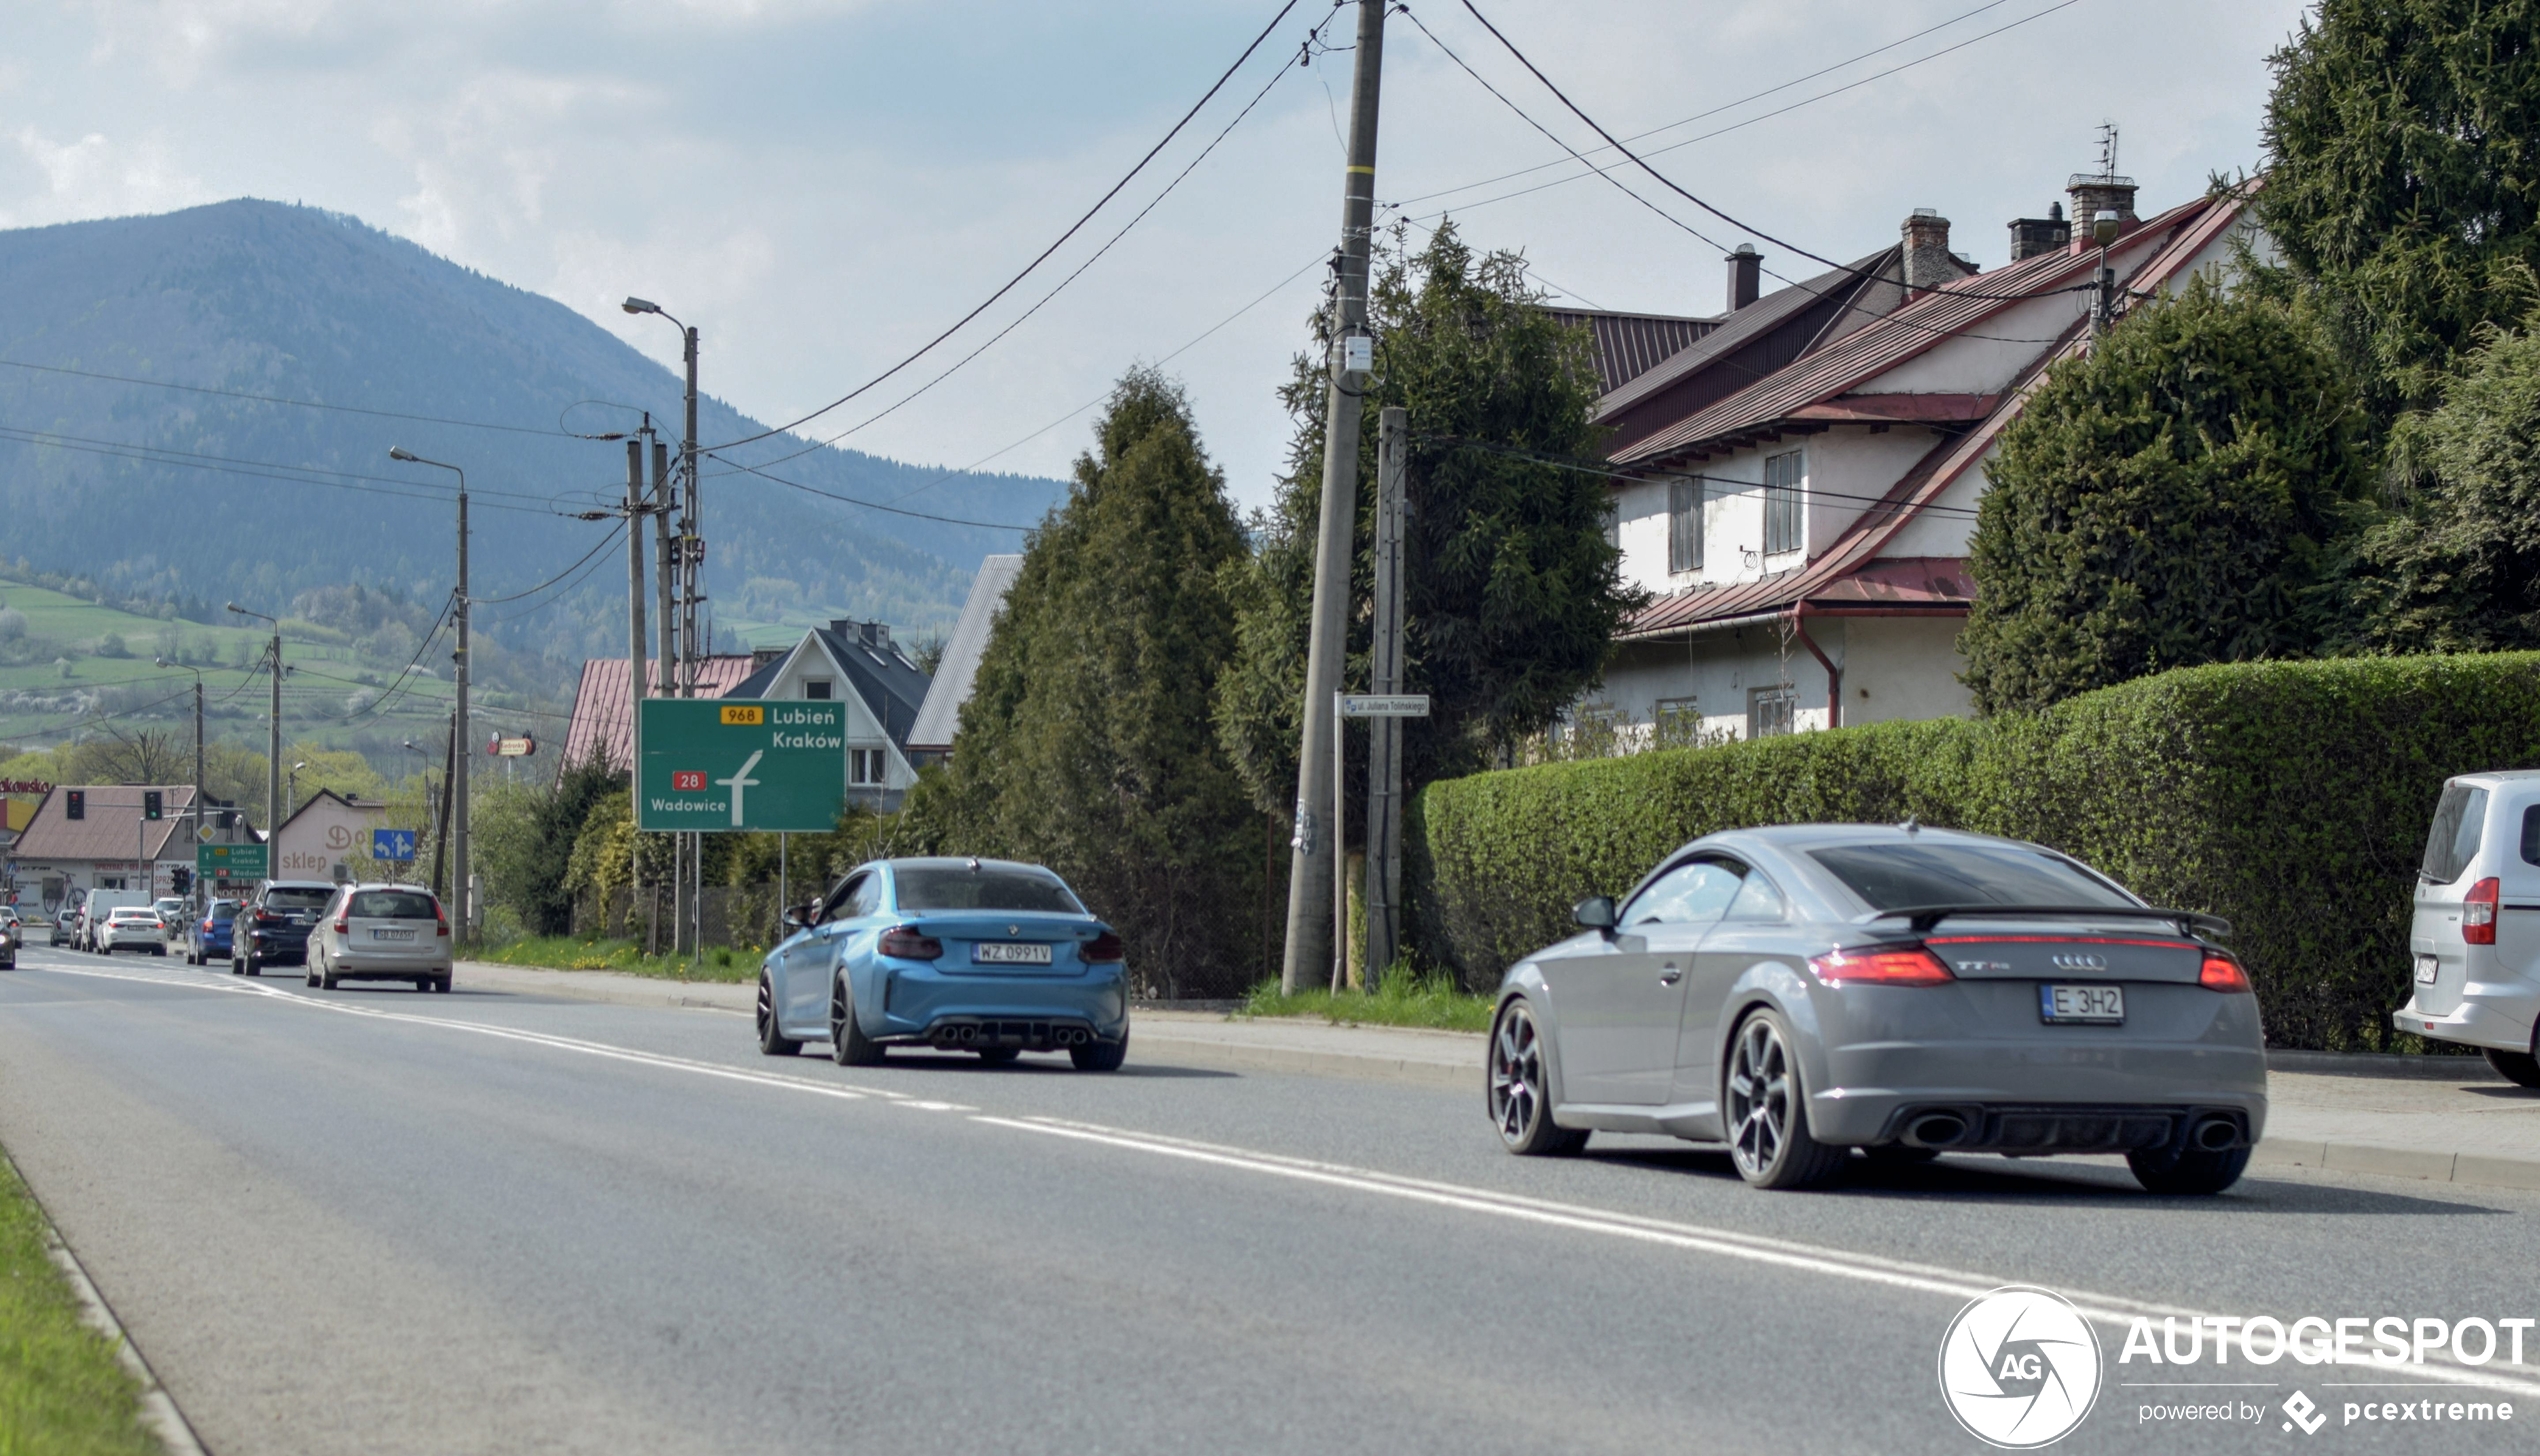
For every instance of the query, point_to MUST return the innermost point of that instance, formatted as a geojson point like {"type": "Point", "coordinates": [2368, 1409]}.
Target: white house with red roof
{"type": "Point", "coordinates": [1804, 530]}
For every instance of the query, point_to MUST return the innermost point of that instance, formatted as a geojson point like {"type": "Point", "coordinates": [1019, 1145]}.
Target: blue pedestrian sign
{"type": "Point", "coordinates": [396, 844]}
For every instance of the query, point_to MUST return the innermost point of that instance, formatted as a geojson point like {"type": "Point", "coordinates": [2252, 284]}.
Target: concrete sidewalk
{"type": "Point", "coordinates": [2448, 1119]}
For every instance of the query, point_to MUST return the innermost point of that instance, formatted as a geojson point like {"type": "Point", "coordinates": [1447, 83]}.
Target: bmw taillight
{"type": "Point", "coordinates": [265, 917]}
{"type": "Point", "coordinates": [2221, 973]}
{"type": "Point", "coordinates": [1899, 965]}
{"type": "Point", "coordinates": [907, 942]}
{"type": "Point", "coordinates": [1103, 949]}
{"type": "Point", "coordinates": [2478, 913]}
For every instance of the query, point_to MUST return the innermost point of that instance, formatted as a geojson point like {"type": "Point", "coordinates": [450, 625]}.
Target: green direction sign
{"type": "Point", "coordinates": [233, 861]}
{"type": "Point", "coordinates": [712, 764]}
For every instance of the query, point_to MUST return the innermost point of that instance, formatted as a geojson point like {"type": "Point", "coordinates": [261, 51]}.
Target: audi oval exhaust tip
{"type": "Point", "coordinates": [2215, 1135]}
{"type": "Point", "coordinates": [1936, 1130]}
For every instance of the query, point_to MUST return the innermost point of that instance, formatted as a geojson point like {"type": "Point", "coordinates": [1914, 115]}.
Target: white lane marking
{"type": "Point", "coordinates": [2107, 1309]}
{"type": "Point", "coordinates": [505, 1033]}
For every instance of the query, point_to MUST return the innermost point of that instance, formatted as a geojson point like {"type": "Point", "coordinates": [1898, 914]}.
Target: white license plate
{"type": "Point", "coordinates": [2104, 1005]}
{"type": "Point", "coordinates": [381, 934]}
{"type": "Point", "coordinates": [2426, 966]}
{"type": "Point", "coordinates": [1009, 953]}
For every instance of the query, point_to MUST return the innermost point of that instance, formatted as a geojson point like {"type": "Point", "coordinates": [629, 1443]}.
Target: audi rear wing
{"type": "Point", "coordinates": [1923, 917]}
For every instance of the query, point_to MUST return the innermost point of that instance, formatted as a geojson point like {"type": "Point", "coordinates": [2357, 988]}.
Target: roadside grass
{"type": "Point", "coordinates": [61, 1391]}
{"type": "Point", "coordinates": [581, 953]}
{"type": "Point", "coordinates": [1401, 999]}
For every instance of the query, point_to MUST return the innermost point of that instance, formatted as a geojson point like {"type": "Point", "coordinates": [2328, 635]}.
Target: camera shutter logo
{"type": "Point", "coordinates": [2020, 1367]}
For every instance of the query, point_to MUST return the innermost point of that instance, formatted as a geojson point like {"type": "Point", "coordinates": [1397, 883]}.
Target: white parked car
{"type": "Point", "coordinates": [381, 933]}
{"type": "Point", "coordinates": [134, 927]}
{"type": "Point", "coordinates": [2475, 940]}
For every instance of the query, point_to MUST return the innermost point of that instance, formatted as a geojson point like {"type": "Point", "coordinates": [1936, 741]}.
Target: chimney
{"type": "Point", "coordinates": [1927, 261]}
{"type": "Point", "coordinates": [2094, 193]}
{"type": "Point", "coordinates": [1746, 268]}
{"type": "Point", "coordinates": [2031, 236]}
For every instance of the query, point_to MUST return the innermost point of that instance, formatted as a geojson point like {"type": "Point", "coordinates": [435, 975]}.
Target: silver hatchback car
{"type": "Point", "coordinates": [1800, 991]}
{"type": "Point", "coordinates": [381, 933]}
{"type": "Point", "coordinates": [2474, 943]}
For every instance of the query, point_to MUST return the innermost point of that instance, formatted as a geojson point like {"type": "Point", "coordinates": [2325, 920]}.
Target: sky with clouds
{"type": "Point", "coordinates": [823, 185]}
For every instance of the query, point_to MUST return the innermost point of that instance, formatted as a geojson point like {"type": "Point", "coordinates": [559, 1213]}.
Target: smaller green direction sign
{"type": "Point", "coordinates": [717, 764]}
{"type": "Point", "coordinates": [232, 861]}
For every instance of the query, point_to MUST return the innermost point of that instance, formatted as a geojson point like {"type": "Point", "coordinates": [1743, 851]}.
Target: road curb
{"type": "Point", "coordinates": [158, 1408]}
{"type": "Point", "coordinates": [2429, 1165]}
{"type": "Point", "coordinates": [1455, 1076]}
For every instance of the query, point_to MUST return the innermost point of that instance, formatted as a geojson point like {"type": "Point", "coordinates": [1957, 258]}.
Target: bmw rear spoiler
{"type": "Point", "coordinates": [1924, 917]}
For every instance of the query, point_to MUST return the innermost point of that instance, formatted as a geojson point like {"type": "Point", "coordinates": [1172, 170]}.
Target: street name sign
{"type": "Point", "coordinates": [716, 764]}
{"type": "Point", "coordinates": [392, 844]}
{"type": "Point", "coordinates": [1384, 705]}
{"type": "Point", "coordinates": [233, 861]}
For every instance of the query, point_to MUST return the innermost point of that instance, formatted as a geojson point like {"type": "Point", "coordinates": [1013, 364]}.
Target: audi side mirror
{"type": "Point", "coordinates": [1596, 913]}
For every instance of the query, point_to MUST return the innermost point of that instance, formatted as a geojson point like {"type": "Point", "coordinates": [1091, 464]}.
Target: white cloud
{"type": "Point", "coordinates": [97, 177]}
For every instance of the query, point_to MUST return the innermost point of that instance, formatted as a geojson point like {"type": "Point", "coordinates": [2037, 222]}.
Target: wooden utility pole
{"type": "Point", "coordinates": [1315, 848]}
{"type": "Point", "coordinates": [1384, 675]}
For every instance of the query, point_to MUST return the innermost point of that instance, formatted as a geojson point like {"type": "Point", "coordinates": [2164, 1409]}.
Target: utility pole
{"type": "Point", "coordinates": [454, 806]}
{"type": "Point", "coordinates": [635, 585]}
{"type": "Point", "coordinates": [1384, 675]}
{"type": "Point", "coordinates": [1313, 865]}
{"type": "Point", "coordinates": [273, 719]}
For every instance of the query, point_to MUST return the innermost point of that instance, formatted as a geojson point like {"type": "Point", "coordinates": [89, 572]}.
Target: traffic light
{"type": "Point", "coordinates": [181, 880]}
{"type": "Point", "coordinates": [151, 804]}
{"type": "Point", "coordinates": [74, 803]}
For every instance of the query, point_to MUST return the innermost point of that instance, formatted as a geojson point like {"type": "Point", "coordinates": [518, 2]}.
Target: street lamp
{"type": "Point", "coordinates": [458, 722]}
{"type": "Point", "coordinates": [273, 736]}
{"type": "Point", "coordinates": [690, 563]}
{"type": "Point", "coordinates": [293, 802]}
{"type": "Point", "coordinates": [198, 746]}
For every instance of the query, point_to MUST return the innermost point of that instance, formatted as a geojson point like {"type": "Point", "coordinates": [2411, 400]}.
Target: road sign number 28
{"type": "Point", "coordinates": [687, 780]}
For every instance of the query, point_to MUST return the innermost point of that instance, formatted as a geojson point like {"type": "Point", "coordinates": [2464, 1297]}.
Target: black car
{"type": "Point", "coordinates": [272, 928]}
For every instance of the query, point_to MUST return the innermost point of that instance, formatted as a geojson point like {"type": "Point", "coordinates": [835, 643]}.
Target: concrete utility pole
{"type": "Point", "coordinates": [635, 585]}
{"type": "Point", "coordinates": [455, 807]}
{"type": "Point", "coordinates": [273, 721]}
{"type": "Point", "coordinates": [1313, 864]}
{"type": "Point", "coordinates": [1384, 675]}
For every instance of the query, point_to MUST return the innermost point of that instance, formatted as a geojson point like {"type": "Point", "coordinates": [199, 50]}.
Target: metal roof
{"type": "Point", "coordinates": [599, 727]}
{"type": "Point", "coordinates": [1629, 345]}
{"type": "Point", "coordinates": [940, 717]}
{"type": "Point", "coordinates": [107, 832]}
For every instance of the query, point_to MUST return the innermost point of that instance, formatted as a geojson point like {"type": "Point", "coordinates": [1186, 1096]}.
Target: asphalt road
{"type": "Point", "coordinates": [377, 1221]}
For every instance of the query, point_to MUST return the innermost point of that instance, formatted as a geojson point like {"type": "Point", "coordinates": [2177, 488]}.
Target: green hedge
{"type": "Point", "coordinates": [2291, 798]}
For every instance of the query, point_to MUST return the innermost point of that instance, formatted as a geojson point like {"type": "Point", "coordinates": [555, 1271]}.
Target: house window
{"type": "Point", "coordinates": [1783, 484]}
{"type": "Point", "coordinates": [1771, 712]}
{"type": "Point", "coordinates": [1684, 525]}
{"type": "Point", "coordinates": [1675, 723]}
{"type": "Point", "coordinates": [816, 688]}
{"type": "Point", "coordinates": [868, 767]}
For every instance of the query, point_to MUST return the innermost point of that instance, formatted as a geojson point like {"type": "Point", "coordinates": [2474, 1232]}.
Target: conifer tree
{"type": "Point", "coordinates": [2176, 496]}
{"type": "Point", "coordinates": [1086, 744]}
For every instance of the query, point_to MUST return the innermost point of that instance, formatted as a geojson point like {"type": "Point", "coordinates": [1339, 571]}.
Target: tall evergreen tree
{"type": "Point", "coordinates": [2458, 569]}
{"type": "Point", "coordinates": [2403, 178]}
{"type": "Point", "coordinates": [1087, 743]}
{"type": "Point", "coordinates": [2176, 496]}
{"type": "Point", "coordinates": [1512, 592]}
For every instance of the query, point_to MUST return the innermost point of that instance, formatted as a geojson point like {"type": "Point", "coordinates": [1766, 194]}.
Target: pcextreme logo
{"type": "Point", "coordinates": [2020, 1367]}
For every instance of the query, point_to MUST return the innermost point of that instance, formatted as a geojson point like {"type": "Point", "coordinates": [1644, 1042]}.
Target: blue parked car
{"type": "Point", "coordinates": [984, 956]}
{"type": "Point", "coordinates": [207, 934]}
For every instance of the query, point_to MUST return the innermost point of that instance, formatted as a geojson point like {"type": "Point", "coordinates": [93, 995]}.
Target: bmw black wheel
{"type": "Point", "coordinates": [1766, 1110]}
{"type": "Point", "coordinates": [771, 1038]}
{"type": "Point", "coordinates": [1520, 1088]}
{"type": "Point", "coordinates": [848, 1045]}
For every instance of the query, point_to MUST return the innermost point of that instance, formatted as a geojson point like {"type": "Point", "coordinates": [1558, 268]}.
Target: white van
{"type": "Point", "coordinates": [94, 910]}
{"type": "Point", "coordinates": [2475, 940]}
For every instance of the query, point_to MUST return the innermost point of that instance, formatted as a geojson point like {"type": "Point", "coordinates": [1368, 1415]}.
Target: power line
{"type": "Point", "coordinates": [1605, 468]}
{"type": "Point", "coordinates": [1072, 229]}
{"type": "Point", "coordinates": [1741, 101]}
{"type": "Point", "coordinates": [256, 469]}
{"type": "Point", "coordinates": [605, 542]}
{"type": "Point", "coordinates": [869, 505]}
{"type": "Point", "coordinates": [1275, 78]}
{"type": "Point", "coordinates": [278, 399]}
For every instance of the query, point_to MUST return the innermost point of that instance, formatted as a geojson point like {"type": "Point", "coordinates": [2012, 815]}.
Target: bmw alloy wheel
{"type": "Point", "coordinates": [1520, 1101]}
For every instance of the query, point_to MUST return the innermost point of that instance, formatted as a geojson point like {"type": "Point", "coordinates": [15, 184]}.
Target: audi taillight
{"type": "Point", "coordinates": [2221, 973]}
{"type": "Point", "coordinates": [909, 943]}
{"type": "Point", "coordinates": [1901, 965]}
{"type": "Point", "coordinates": [2478, 913]}
{"type": "Point", "coordinates": [1103, 949]}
